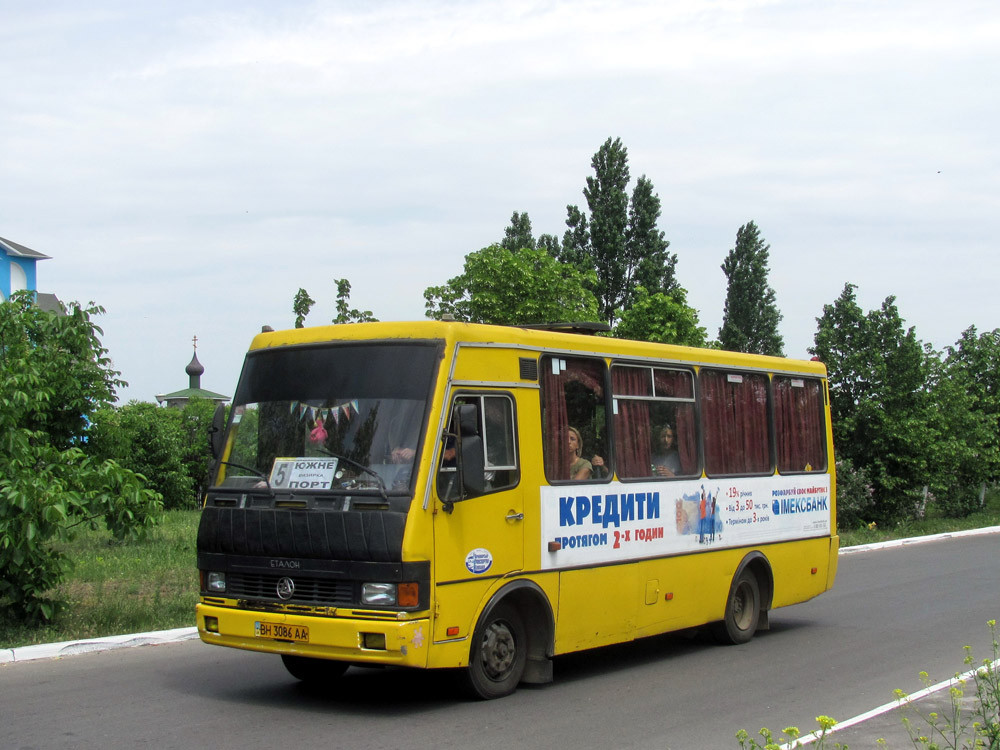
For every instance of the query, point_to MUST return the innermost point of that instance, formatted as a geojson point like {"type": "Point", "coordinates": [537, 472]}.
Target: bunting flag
{"type": "Point", "coordinates": [301, 410]}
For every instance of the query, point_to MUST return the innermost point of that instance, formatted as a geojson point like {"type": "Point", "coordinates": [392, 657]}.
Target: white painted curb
{"type": "Point", "coordinates": [69, 648]}
{"type": "Point", "coordinates": [919, 540]}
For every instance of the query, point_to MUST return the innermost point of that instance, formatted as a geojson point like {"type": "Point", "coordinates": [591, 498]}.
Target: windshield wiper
{"type": "Point", "coordinates": [365, 469]}
{"type": "Point", "coordinates": [253, 471]}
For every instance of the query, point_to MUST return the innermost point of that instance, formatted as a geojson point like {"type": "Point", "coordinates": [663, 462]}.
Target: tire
{"type": "Point", "coordinates": [317, 672]}
{"type": "Point", "coordinates": [742, 610]}
{"type": "Point", "coordinates": [499, 653]}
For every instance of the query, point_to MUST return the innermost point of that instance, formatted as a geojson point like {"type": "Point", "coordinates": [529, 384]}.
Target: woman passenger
{"type": "Point", "coordinates": [580, 468]}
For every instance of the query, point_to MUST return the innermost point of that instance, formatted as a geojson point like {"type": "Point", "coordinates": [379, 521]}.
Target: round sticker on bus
{"type": "Point", "coordinates": [479, 560]}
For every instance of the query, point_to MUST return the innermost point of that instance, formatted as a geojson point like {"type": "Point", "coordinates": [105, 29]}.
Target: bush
{"type": "Point", "coordinates": [168, 446]}
{"type": "Point", "coordinates": [855, 495]}
{"type": "Point", "coordinates": [53, 374]}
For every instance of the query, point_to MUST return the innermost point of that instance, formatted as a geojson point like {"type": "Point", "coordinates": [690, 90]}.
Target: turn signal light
{"type": "Point", "coordinates": [408, 594]}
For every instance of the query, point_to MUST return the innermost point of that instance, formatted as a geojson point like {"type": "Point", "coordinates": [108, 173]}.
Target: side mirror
{"type": "Point", "coordinates": [473, 465]}
{"type": "Point", "coordinates": [216, 432]}
{"type": "Point", "coordinates": [472, 459]}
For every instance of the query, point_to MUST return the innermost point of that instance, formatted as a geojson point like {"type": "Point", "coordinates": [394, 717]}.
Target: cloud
{"type": "Point", "coordinates": [190, 166]}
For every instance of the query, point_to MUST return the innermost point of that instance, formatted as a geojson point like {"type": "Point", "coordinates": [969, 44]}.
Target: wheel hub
{"type": "Point", "coordinates": [499, 650]}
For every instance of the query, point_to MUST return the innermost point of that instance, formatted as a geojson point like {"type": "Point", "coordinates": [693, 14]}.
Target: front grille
{"type": "Point", "coordinates": [308, 590]}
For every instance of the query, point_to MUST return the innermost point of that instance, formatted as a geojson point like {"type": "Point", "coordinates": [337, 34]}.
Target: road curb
{"type": "Point", "coordinates": [70, 648]}
{"type": "Point", "coordinates": [919, 540]}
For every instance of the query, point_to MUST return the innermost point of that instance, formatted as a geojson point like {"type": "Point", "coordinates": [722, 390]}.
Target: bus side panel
{"type": "Point", "coordinates": [597, 607]}
{"type": "Point", "coordinates": [455, 604]}
{"type": "Point", "coordinates": [680, 592]}
{"type": "Point", "coordinates": [793, 564]}
{"type": "Point", "coordinates": [834, 559]}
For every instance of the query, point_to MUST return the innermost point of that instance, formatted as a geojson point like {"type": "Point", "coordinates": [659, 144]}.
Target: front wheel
{"type": "Point", "coordinates": [317, 672]}
{"type": "Point", "coordinates": [498, 655]}
{"type": "Point", "coordinates": [742, 610]}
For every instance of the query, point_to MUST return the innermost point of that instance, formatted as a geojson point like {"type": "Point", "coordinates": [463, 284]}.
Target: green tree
{"type": "Point", "coordinates": [620, 240]}
{"type": "Point", "coordinates": [575, 248]}
{"type": "Point", "coordinates": [663, 318]}
{"type": "Point", "coordinates": [878, 399]}
{"type": "Point", "coordinates": [517, 235]}
{"type": "Point", "coordinates": [964, 421]}
{"type": "Point", "coordinates": [977, 356]}
{"type": "Point", "coordinates": [750, 319]}
{"type": "Point", "coordinates": [962, 437]}
{"type": "Point", "coordinates": [345, 313]}
{"type": "Point", "coordinates": [54, 374]}
{"type": "Point", "coordinates": [195, 423]}
{"type": "Point", "coordinates": [157, 443]}
{"type": "Point", "coordinates": [303, 303]}
{"type": "Point", "coordinates": [550, 243]}
{"type": "Point", "coordinates": [511, 288]}
{"type": "Point", "coordinates": [301, 306]}
{"type": "Point", "coordinates": [647, 246]}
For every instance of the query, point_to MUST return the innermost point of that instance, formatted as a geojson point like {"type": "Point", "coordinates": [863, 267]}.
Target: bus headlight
{"type": "Point", "coordinates": [216, 582]}
{"type": "Point", "coordinates": [380, 594]}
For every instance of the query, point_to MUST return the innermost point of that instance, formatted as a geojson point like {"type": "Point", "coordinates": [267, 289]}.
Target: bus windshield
{"type": "Point", "coordinates": [340, 417]}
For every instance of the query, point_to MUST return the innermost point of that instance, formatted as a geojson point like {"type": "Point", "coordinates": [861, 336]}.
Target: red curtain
{"type": "Point", "coordinates": [687, 439]}
{"type": "Point", "coordinates": [798, 416]}
{"type": "Point", "coordinates": [734, 419]}
{"type": "Point", "coordinates": [633, 438]}
{"type": "Point", "coordinates": [554, 420]}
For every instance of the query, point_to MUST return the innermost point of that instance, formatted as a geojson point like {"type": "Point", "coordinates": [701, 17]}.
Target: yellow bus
{"type": "Point", "coordinates": [451, 495]}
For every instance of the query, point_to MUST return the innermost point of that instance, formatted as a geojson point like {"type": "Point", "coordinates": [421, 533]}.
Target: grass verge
{"type": "Point", "coordinates": [931, 523]}
{"type": "Point", "coordinates": [114, 588]}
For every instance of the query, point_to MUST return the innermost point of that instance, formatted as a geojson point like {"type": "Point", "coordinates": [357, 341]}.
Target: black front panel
{"type": "Point", "coordinates": [371, 536]}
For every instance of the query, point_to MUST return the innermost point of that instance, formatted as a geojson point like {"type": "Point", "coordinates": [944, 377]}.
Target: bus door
{"type": "Point", "coordinates": [479, 535]}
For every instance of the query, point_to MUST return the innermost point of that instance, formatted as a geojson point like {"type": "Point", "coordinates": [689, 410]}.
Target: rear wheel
{"type": "Point", "coordinates": [742, 610]}
{"type": "Point", "coordinates": [314, 671]}
{"type": "Point", "coordinates": [499, 653]}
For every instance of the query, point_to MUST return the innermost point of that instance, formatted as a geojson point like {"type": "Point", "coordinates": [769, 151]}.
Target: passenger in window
{"type": "Point", "coordinates": [580, 468]}
{"type": "Point", "coordinates": [667, 462]}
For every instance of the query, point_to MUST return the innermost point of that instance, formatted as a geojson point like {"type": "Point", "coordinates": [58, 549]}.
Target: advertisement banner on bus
{"type": "Point", "coordinates": [589, 524]}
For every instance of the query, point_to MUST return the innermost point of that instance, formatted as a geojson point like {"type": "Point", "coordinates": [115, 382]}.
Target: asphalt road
{"type": "Point", "coordinates": [892, 613]}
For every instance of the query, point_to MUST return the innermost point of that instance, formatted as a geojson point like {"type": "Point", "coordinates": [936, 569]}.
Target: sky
{"type": "Point", "coordinates": [190, 165]}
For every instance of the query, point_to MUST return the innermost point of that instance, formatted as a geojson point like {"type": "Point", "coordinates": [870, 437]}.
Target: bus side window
{"type": "Point", "coordinates": [799, 424]}
{"type": "Point", "coordinates": [734, 416]}
{"type": "Point", "coordinates": [655, 427]}
{"type": "Point", "coordinates": [574, 419]}
{"type": "Point", "coordinates": [495, 425]}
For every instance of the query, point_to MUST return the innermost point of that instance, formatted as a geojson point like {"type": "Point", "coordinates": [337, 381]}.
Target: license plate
{"type": "Point", "coordinates": [281, 632]}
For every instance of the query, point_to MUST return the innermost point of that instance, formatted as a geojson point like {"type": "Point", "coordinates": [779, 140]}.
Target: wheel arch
{"type": "Point", "coordinates": [756, 562]}
{"type": "Point", "coordinates": [535, 611]}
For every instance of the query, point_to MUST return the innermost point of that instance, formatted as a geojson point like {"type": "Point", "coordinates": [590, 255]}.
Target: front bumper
{"type": "Point", "coordinates": [335, 637]}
